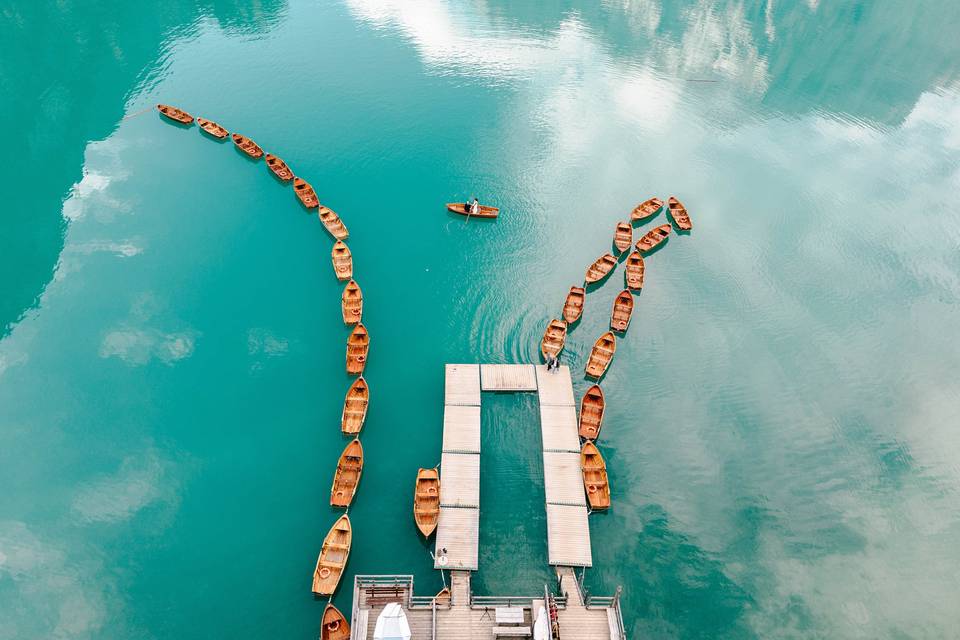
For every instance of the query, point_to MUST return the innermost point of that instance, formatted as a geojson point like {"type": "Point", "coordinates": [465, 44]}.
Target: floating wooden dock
{"type": "Point", "coordinates": [469, 616]}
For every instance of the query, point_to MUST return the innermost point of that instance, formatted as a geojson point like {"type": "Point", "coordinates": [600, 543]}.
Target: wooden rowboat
{"type": "Point", "coordinates": [679, 214]}
{"type": "Point", "coordinates": [653, 238]}
{"type": "Point", "coordinates": [211, 127]}
{"type": "Point", "coordinates": [553, 339]}
{"type": "Point", "coordinates": [351, 303]}
{"type": "Point", "coordinates": [358, 347]}
{"type": "Point", "coordinates": [443, 596]}
{"type": "Point", "coordinates": [333, 557]}
{"type": "Point", "coordinates": [334, 625]}
{"type": "Point", "coordinates": [355, 407]}
{"type": "Point", "coordinates": [279, 167]}
{"type": "Point", "coordinates": [342, 261]}
{"type": "Point", "coordinates": [347, 476]}
{"type": "Point", "coordinates": [464, 210]}
{"type": "Point", "coordinates": [595, 476]}
{"type": "Point", "coordinates": [592, 405]}
{"type": "Point", "coordinates": [426, 501]}
{"type": "Point", "coordinates": [306, 194]}
{"type": "Point", "coordinates": [248, 146]}
{"type": "Point", "coordinates": [622, 310]}
{"type": "Point", "coordinates": [634, 271]}
{"type": "Point", "coordinates": [573, 305]}
{"type": "Point", "coordinates": [646, 209]}
{"type": "Point", "coordinates": [623, 236]}
{"type": "Point", "coordinates": [601, 355]}
{"type": "Point", "coordinates": [175, 114]}
{"type": "Point", "coordinates": [332, 222]}
{"type": "Point", "coordinates": [601, 268]}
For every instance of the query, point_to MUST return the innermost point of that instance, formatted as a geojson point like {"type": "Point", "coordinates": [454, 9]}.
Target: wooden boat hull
{"type": "Point", "coordinates": [334, 625]}
{"type": "Point", "coordinates": [573, 305]}
{"type": "Point", "coordinates": [305, 193]}
{"type": "Point", "coordinates": [358, 347]}
{"type": "Point", "coordinates": [444, 597]}
{"type": "Point", "coordinates": [355, 406]}
{"type": "Point", "coordinates": [351, 303]}
{"type": "Point", "coordinates": [333, 557]}
{"type": "Point", "coordinates": [653, 238]}
{"type": "Point", "coordinates": [592, 406]}
{"type": "Point", "coordinates": [426, 501]}
{"type": "Point", "coordinates": [462, 209]}
{"type": "Point", "coordinates": [646, 209]}
{"type": "Point", "coordinates": [623, 236]}
{"type": "Point", "coordinates": [679, 213]}
{"type": "Point", "coordinates": [177, 115]}
{"type": "Point", "coordinates": [553, 339]}
{"type": "Point", "coordinates": [601, 355]}
{"type": "Point", "coordinates": [342, 261]}
{"type": "Point", "coordinates": [212, 128]}
{"type": "Point", "coordinates": [248, 146]}
{"type": "Point", "coordinates": [601, 268]}
{"type": "Point", "coordinates": [332, 223]}
{"type": "Point", "coordinates": [347, 476]}
{"type": "Point", "coordinates": [634, 271]}
{"type": "Point", "coordinates": [622, 310]}
{"type": "Point", "coordinates": [279, 168]}
{"type": "Point", "coordinates": [595, 480]}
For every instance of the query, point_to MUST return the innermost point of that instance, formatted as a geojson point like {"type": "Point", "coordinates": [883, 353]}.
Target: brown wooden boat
{"type": "Point", "coordinates": [553, 339]}
{"type": "Point", "coordinates": [646, 209]}
{"type": "Point", "coordinates": [623, 236]}
{"type": "Point", "coordinates": [279, 167]}
{"type": "Point", "coordinates": [212, 128]}
{"type": "Point", "coordinates": [358, 347]}
{"type": "Point", "coordinates": [332, 222]}
{"type": "Point", "coordinates": [334, 625]}
{"type": "Point", "coordinates": [177, 115]}
{"type": "Point", "coordinates": [622, 310]}
{"type": "Point", "coordinates": [595, 476]}
{"type": "Point", "coordinates": [443, 597]}
{"type": "Point", "coordinates": [634, 270]}
{"type": "Point", "coordinates": [592, 405]}
{"type": "Point", "coordinates": [355, 407]}
{"type": "Point", "coordinates": [653, 238]}
{"type": "Point", "coordinates": [342, 261]}
{"type": "Point", "coordinates": [601, 268]}
{"type": "Point", "coordinates": [306, 194]}
{"type": "Point", "coordinates": [347, 476]}
{"type": "Point", "coordinates": [601, 355]}
{"type": "Point", "coordinates": [464, 210]}
{"type": "Point", "coordinates": [679, 214]}
{"type": "Point", "coordinates": [351, 303]}
{"type": "Point", "coordinates": [333, 557]}
{"type": "Point", "coordinates": [426, 501]}
{"type": "Point", "coordinates": [573, 305]}
{"type": "Point", "coordinates": [248, 146]}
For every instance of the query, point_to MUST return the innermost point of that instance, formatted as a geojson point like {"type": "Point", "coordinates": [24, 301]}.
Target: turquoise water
{"type": "Point", "coordinates": [781, 427]}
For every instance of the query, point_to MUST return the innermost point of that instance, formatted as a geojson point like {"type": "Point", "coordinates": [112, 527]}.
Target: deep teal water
{"type": "Point", "coordinates": [781, 429]}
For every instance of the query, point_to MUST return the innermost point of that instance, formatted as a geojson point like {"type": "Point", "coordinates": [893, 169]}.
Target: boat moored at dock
{"type": "Point", "coordinates": [177, 115]}
{"type": "Point", "coordinates": [211, 127]}
{"type": "Point", "coordinates": [248, 146]}
{"type": "Point", "coordinates": [333, 557]}
{"type": "Point", "coordinates": [601, 355]}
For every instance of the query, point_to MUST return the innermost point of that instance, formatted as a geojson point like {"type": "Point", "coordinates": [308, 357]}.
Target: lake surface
{"type": "Point", "coordinates": [782, 414]}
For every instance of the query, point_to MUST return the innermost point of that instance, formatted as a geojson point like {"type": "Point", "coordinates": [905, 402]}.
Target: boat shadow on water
{"type": "Point", "coordinates": [657, 249]}
{"type": "Point", "coordinates": [174, 123]}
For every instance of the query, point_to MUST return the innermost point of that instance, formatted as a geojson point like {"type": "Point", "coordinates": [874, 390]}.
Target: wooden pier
{"type": "Point", "coordinates": [469, 616]}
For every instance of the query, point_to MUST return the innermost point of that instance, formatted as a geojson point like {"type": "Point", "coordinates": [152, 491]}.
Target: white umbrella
{"type": "Point", "coordinates": [541, 628]}
{"type": "Point", "coordinates": [392, 624]}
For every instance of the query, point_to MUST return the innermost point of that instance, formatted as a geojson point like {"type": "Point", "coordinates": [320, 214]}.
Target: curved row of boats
{"type": "Point", "coordinates": [335, 550]}
{"type": "Point", "coordinates": [593, 404]}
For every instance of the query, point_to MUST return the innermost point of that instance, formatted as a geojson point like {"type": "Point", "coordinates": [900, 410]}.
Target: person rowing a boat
{"type": "Point", "coordinates": [474, 207]}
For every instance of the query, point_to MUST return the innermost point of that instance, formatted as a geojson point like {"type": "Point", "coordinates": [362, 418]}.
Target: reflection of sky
{"type": "Point", "coordinates": [844, 260]}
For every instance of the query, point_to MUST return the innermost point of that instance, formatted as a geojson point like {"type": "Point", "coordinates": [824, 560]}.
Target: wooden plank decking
{"type": "Point", "coordinates": [555, 388]}
{"type": "Point", "coordinates": [460, 480]}
{"type": "Point", "coordinates": [462, 384]}
{"type": "Point", "coordinates": [562, 478]}
{"type": "Point", "coordinates": [508, 377]}
{"type": "Point", "coordinates": [461, 429]}
{"type": "Point", "coordinates": [458, 532]}
{"type": "Point", "coordinates": [568, 536]}
{"type": "Point", "coordinates": [558, 428]}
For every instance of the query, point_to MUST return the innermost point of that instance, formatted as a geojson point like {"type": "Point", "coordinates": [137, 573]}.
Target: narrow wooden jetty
{"type": "Point", "coordinates": [469, 616]}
